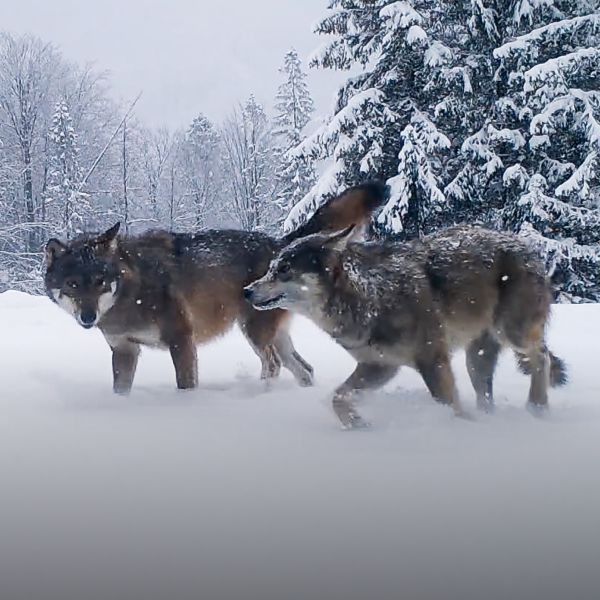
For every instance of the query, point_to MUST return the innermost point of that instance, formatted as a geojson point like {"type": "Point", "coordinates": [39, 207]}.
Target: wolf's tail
{"type": "Point", "coordinates": [558, 368]}
{"type": "Point", "coordinates": [355, 206]}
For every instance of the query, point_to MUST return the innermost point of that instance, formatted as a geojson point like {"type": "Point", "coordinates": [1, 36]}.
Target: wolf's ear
{"type": "Point", "coordinates": [339, 240]}
{"type": "Point", "coordinates": [108, 239]}
{"type": "Point", "coordinates": [54, 249]}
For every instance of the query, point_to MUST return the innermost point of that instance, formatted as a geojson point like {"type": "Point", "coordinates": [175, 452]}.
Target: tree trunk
{"type": "Point", "coordinates": [125, 198]}
{"type": "Point", "coordinates": [172, 198]}
{"type": "Point", "coordinates": [28, 196]}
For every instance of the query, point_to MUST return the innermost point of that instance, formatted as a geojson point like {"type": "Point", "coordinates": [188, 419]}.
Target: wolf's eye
{"type": "Point", "coordinates": [72, 283]}
{"type": "Point", "coordinates": [100, 281]}
{"type": "Point", "coordinates": [284, 269]}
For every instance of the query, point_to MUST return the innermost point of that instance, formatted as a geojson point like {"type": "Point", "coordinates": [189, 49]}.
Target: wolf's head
{"type": "Point", "coordinates": [83, 276]}
{"type": "Point", "coordinates": [300, 277]}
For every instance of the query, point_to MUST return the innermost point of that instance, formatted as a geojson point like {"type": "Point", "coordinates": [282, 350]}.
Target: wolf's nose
{"type": "Point", "coordinates": [248, 293]}
{"type": "Point", "coordinates": [88, 318]}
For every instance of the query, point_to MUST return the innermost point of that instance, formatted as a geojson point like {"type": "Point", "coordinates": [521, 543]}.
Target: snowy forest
{"type": "Point", "coordinates": [477, 111]}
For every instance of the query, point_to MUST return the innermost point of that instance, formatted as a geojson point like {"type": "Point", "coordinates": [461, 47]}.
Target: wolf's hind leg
{"type": "Point", "coordinates": [124, 363]}
{"type": "Point", "coordinates": [539, 360]}
{"type": "Point", "coordinates": [260, 329]}
{"type": "Point", "coordinates": [528, 341]}
{"type": "Point", "coordinates": [270, 361]}
{"type": "Point", "coordinates": [291, 360]}
{"type": "Point", "coordinates": [482, 356]}
{"type": "Point", "coordinates": [366, 376]}
{"type": "Point", "coordinates": [521, 319]}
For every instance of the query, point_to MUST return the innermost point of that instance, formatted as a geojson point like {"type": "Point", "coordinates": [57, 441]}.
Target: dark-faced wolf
{"type": "Point", "coordinates": [395, 304]}
{"type": "Point", "coordinates": [178, 290]}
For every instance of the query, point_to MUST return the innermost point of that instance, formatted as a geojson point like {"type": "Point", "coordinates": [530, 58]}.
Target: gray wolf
{"type": "Point", "coordinates": [395, 304]}
{"type": "Point", "coordinates": [175, 291]}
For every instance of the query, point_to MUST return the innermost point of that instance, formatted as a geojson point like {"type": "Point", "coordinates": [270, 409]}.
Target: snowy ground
{"type": "Point", "coordinates": [233, 492]}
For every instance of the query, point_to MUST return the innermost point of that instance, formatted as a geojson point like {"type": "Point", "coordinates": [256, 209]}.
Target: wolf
{"type": "Point", "coordinates": [393, 304]}
{"type": "Point", "coordinates": [175, 290]}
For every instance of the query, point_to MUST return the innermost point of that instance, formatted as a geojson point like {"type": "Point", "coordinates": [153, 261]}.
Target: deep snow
{"type": "Point", "coordinates": [232, 491]}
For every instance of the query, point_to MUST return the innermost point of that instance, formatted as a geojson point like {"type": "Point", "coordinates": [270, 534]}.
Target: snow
{"type": "Point", "coordinates": [562, 65]}
{"type": "Point", "coordinates": [234, 491]}
{"type": "Point", "coordinates": [325, 186]}
{"type": "Point", "coordinates": [523, 43]}
{"type": "Point", "coordinates": [579, 181]}
{"type": "Point", "coordinates": [517, 175]}
{"type": "Point", "coordinates": [401, 14]}
{"type": "Point", "coordinates": [416, 35]}
{"type": "Point", "coordinates": [437, 54]}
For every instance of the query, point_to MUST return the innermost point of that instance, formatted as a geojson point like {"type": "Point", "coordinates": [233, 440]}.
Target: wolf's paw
{"type": "Point", "coordinates": [486, 406]}
{"type": "Point", "coordinates": [121, 390]}
{"type": "Point", "coordinates": [355, 423]}
{"type": "Point", "coordinates": [306, 379]}
{"type": "Point", "coordinates": [464, 415]}
{"type": "Point", "coordinates": [538, 410]}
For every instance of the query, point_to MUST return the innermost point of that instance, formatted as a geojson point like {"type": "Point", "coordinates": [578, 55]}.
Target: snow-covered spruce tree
{"type": "Point", "coordinates": [294, 106]}
{"type": "Point", "coordinates": [568, 235]}
{"type": "Point", "coordinates": [551, 78]}
{"type": "Point", "coordinates": [67, 207]}
{"type": "Point", "coordinates": [382, 124]}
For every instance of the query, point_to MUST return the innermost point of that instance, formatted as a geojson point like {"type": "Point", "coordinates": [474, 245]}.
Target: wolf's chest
{"type": "Point", "coordinates": [149, 336]}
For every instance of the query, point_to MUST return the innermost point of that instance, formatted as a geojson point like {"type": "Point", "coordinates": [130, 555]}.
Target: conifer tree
{"type": "Point", "coordinates": [63, 197]}
{"type": "Point", "coordinates": [552, 82]}
{"type": "Point", "coordinates": [294, 106]}
{"type": "Point", "coordinates": [381, 126]}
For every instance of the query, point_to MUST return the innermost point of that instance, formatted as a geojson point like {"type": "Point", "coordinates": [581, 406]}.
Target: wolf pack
{"type": "Point", "coordinates": [388, 303]}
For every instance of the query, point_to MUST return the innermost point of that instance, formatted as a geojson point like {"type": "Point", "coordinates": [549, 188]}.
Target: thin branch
{"type": "Point", "coordinates": [106, 147]}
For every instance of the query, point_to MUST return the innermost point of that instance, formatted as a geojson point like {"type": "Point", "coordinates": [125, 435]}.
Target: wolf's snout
{"type": "Point", "coordinates": [248, 293]}
{"type": "Point", "coordinates": [88, 318]}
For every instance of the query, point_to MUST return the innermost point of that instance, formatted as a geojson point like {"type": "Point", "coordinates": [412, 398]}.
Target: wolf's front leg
{"type": "Point", "coordinates": [183, 353]}
{"type": "Point", "coordinates": [124, 363]}
{"type": "Point", "coordinates": [436, 371]}
{"type": "Point", "coordinates": [366, 376]}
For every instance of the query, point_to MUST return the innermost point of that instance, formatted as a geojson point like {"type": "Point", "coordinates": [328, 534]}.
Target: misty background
{"type": "Point", "coordinates": [186, 56]}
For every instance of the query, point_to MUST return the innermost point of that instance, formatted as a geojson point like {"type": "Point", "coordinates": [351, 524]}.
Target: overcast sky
{"type": "Point", "coordinates": [186, 55]}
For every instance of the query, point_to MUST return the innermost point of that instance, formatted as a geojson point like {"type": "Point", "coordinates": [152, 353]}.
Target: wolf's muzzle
{"type": "Point", "coordinates": [87, 318]}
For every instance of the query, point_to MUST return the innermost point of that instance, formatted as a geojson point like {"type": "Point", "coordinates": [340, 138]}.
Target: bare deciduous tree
{"type": "Point", "coordinates": [247, 143]}
{"type": "Point", "coordinates": [28, 70]}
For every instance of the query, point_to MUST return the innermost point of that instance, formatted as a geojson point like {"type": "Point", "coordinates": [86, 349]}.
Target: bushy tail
{"type": "Point", "coordinates": [355, 206]}
{"type": "Point", "coordinates": [558, 368]}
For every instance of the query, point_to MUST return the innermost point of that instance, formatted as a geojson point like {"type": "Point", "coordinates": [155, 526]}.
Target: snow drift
{"type": "Point", "coordinates": [235, 491]}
